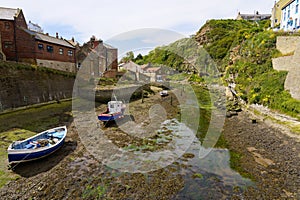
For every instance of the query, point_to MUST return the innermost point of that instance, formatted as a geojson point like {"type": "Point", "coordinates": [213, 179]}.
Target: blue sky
{"type": "Point", "coordinates": [109, 19]}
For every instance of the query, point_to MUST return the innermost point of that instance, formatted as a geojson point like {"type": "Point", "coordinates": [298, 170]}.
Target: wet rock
{"type": "Point", "coordinates": [231, 113]}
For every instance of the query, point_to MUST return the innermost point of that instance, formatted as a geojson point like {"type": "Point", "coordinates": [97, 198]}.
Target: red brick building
{"type": "Point", "coordinates": [23, 45]}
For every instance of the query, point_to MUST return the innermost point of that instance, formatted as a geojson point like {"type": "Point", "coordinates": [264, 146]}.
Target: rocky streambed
{"type": "Point", "coordinates": [269, 154]}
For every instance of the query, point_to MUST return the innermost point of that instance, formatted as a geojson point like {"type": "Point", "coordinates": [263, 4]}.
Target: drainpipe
{"type": "Point", "coordinates": [15, 39]}
{"type": "Point", "coordinates": [106, 59]}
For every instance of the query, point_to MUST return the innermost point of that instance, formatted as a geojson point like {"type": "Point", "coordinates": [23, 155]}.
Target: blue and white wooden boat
{"type": "Point", "coordinates": [37, 146]}
{"type": "Point", "coordinates": [115, 110]}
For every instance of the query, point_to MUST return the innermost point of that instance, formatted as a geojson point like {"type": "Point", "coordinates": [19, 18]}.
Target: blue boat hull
{"type": "Point", "coordinates": [32, 155]}
{"type": "Point", "coordinates": [112, 117]}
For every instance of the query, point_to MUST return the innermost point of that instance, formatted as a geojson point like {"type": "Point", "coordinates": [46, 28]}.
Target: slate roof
{"type": "Point", "coordinates": [8, 13]}
{"type": "Point", "coordinates": [254, 17]}
{"type": "Point", "coordinates": [50, 39]}
{"type": "Point", "coordinates": [259, 16]}
{"type": "Point", "coordinates": [108, 46]}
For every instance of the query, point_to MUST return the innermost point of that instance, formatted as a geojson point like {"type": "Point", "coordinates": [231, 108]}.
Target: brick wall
{"type": "Point", "coordinates": [10, 31]}
{"type": "Point", "coordinates": [44, 54]}
{"type": "Point", "coordinates": [7, 39]}
{"type": "Point", "coordinates": [25, 46]}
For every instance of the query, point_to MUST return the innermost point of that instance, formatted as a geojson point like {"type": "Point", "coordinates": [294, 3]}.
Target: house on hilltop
{"type": "Point", "coordinates": [23, 45]}
{"type": "Point", "coordinates": [253, 17]}
{"type": "Point", "coordinates": [276, 12]}
{"type": "Point", "coordinates": [290, 16]}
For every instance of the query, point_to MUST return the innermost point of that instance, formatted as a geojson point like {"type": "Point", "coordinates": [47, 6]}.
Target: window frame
{"type": "Point", "coordinates": [8, 44]}
{"type": "Point", "coordinates": [61, 51]}
{"type": "Point", "coordinates": [70, 53]}
{"type": "Point", "coordinates": [50, 48]}
{"type": "Point", "coordinates": [40, 46]}
{"type": "Point", "coordinates": [7, 25]}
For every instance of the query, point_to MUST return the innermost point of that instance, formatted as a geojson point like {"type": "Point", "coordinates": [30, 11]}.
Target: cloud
{"type": "Point", "coordinates": [106, 19]}
{"type": "Point", "coordinates": [143, 40]}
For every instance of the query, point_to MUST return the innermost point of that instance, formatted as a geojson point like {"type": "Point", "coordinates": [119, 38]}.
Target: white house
{"type": "Point", "coordinates": [290, 19]}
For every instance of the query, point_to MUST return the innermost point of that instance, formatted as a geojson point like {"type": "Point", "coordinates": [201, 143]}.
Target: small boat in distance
{"type": "Point", "coordinates": [164, 93]}
{"type": "Point", "coordinates": [37, 146]}
{"type": "Point", "coordinates": [115, 110]}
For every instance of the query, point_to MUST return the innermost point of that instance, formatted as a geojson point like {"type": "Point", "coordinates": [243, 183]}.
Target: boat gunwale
{"type": "Point", "coordinates": [10, 150]}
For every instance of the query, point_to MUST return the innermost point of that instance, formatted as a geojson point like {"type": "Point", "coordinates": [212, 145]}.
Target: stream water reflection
{"type": "Point", "coordinates": [208, 177]}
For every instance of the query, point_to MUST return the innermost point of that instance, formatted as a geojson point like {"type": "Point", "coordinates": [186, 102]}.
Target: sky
{"type": "Point", "coordinates": [114, 19]}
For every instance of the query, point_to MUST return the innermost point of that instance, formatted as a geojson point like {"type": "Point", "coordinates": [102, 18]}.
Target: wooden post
{"type": "Point", "coordinates": [182, 90]}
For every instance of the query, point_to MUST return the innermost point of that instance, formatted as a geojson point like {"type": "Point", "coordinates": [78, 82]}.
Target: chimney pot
{"type": "Point", "coordinates": [56, 34]}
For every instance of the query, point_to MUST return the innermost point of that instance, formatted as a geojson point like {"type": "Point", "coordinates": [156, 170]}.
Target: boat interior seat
{"type": "Point", "coordinates": [58, 135]}
{"type": "Point", "coordinates": [29, 146]}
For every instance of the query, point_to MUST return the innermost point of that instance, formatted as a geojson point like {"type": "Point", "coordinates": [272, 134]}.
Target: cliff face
{"type": "Point", "coordinates": [21, 87]}
{"type": "Point", "coordinates": [202, 36]}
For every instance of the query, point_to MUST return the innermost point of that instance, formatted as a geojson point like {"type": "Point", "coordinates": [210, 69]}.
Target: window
{"type": "Point", "coordinates": [284, 16]}
{"type": "Point", "coordinates": [70, 53]}
{"type": "Point", "coordinates": [61, 51]}
{"type": "Point", "coordinates": [49, 48]}
{"type": "Point", "coordinates": [296, 9]}
{"type": "Point", "coordinates": [40, 46]}
{"type": "Point", "coordinates": [296, 21]}
{"type": "Point", "coordinates": [289, 14]}
{"type": "Point", "coordinates": [8, 45]}
{"type": "Point", "coordinates": [7, 25]}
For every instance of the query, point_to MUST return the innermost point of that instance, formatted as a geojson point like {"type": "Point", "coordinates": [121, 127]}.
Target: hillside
{"type": "Point", "coordinates": [242, 52]}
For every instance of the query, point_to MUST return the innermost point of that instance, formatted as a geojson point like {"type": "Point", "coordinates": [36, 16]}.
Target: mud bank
{"type": "Point", "coordinates": [269, 154]}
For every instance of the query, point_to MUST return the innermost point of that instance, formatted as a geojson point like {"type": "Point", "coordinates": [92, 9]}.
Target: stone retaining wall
{"type": "Point", "coordinates": [291, 64]}
{"type": "Point", "coordinates": [22, 87]}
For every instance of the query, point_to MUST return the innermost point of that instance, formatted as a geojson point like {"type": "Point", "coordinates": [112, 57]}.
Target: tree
{"type": "Point", "coordinates": [128, 57]}
{"type": "Point", "coordinates": [139, 57]}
